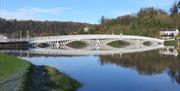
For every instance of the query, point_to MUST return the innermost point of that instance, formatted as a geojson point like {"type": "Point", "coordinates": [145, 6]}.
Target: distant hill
{"type": "Point", "coordinates": [39, 28]}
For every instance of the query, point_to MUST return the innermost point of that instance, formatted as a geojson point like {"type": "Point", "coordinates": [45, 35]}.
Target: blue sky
{"type": "Point", "coordinates": [88, 11]}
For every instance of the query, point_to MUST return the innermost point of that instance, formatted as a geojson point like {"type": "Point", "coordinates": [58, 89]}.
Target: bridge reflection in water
{"type": "Point", "coordinates": [89, 50]}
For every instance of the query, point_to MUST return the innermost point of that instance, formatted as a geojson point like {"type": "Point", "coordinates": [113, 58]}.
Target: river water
{"type": "Point", "coordinates": [154, 70]}
{"type": "Point", "coordinates": [157, 70]}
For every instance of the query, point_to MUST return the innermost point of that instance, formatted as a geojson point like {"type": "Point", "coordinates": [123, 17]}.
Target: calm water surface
{"type": "Point", "coordinates": [146, 71]}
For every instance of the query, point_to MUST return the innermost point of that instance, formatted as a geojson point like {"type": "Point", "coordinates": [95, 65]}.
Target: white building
{"type": "Point", "coordinates": [86, 29]}
{"type": "Point", "coordinates": [3, 37]}
{"type": "Point", "coordinates": [169, 32]}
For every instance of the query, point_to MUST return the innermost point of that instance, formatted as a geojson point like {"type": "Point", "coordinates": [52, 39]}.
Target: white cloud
{"type": "Point", "coordinates": [33, 10]}
{"type": "Point", "coordinates": [31, 13]}
{"type": "Point", "coordinates": [122, 12]}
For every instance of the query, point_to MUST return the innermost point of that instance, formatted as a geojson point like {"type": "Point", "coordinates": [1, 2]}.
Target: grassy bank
{"type": "Point", "coordinates": [13, 73]}
{"type": "Point", "coordinates": [77, 44]}
{"type": "Point", "coordinates": [118, 44]}
{"type": "Point", "coordinates": [44, 78]}
{"type": "Point", "coordinates": [20, 75]}
{"type": "Point", "coordinates": [171, 43]}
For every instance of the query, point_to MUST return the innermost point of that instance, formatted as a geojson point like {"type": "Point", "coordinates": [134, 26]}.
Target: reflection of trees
{"type": "Point", "coordinates": [175, 72]}
{"type": "Point", "coordinates": [147, 63]}
{"type": "Point", "coordinates": [177, 77]}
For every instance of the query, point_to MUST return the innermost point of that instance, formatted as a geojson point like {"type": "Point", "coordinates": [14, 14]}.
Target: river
{"type": "Point", "coordinates": [152, 70]}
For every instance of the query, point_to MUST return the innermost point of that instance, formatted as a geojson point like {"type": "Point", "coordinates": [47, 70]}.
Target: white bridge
{"type": "Point", "coordinates": [97, 41]}
{"type": "Point", "coordinates": [96, 44]}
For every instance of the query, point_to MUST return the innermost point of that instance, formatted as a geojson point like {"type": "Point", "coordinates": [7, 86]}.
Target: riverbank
{"type": "Point", "coordinates": [118, 44]}
{"type": "Point", "coordinates": [20, 75]}
{"type": "Point", "coordinates": [171, 43]}
{"type": "Point", "coordinates": [77, 44]}
{"type": "Point", "coordinates": [13, 73]}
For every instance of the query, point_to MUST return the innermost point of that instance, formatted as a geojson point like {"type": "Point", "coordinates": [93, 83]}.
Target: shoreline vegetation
{"type": "Point", "coordinates": [172, 43]}
{"type": "Point", "coordinates": [118, 44]}
{"type": "Point", "coordinates": [77, 44]}
{"type": "Point", "coordinates": [20, 75]}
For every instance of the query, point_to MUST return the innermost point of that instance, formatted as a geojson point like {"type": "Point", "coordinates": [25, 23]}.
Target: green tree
{"type": "Point", "coordinates": [174, 9]}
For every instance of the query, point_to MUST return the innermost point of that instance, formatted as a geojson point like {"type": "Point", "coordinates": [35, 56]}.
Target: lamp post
{"type": "Point", "coordinates": [121, 33]}
{"type": "Point", "coordinates": [20, 35]}
{"type": "Point", "coordinates": [27, 35]}
{"type": "Point", "coordinates": [112, 32]}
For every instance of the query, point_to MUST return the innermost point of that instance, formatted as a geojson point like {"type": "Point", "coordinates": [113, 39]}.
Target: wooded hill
{"type": "Point", "coordinates": [39, 28]}
{"type": "Point", "coordinates": [147, 22]}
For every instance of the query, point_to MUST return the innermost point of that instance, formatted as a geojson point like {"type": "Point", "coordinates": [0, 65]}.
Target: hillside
{"type": "Point", "coordinates": [147, 22]}
{"type": "Point", "coordinates": [39, 28]}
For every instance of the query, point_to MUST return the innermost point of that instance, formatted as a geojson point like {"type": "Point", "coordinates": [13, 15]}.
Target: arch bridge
{"type": "Point", "coordinates": [97, 41]}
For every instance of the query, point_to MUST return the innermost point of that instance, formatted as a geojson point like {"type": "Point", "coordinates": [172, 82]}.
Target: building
{"type": "Point", "coordinates": [86, 29]}
{"type": "Point", "coordinates": [169, 32]}
{"type": "Point", "coordinates": [2, 36]}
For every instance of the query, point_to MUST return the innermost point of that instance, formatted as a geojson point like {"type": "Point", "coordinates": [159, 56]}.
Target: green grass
{"type": "Point", "coordinates": [45, 78]}
{"type": "Point", "coordinates": [77, 44]}
{"type": "Point", "coordinates": [13, 71]}
{"type": "Point", "coordinates": [20, 75]}
{"type": "Point", "coordinates": [61, 81]}
{"type": "Point", "coordinates": [178, 35]}
{"type": "Point", "coordinates": [43, 45]}
{"type": "Point", "coordinates": [147, 43]}
{"type": "Point", "coordinates": [171, 43]}
{"type": "Point", "coordinates": [118, 44]}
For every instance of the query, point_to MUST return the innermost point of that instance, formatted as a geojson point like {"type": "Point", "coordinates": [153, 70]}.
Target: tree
{"type": "Point", "coordinates": [174, 9]}
{"type": "Point", "coordinates": [38, 28]}
{"type": "Point", "coordinates": [178, 4]}
{"type": "Point", "coordinates": [102, 19]}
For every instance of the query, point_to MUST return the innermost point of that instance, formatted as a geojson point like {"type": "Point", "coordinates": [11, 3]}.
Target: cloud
{"type": "Point", "coordinates": [121, 12]}
{"type": "Point", "coordinates": [32, 13]}
{"type": "Point", "coordinates": [32, 10]}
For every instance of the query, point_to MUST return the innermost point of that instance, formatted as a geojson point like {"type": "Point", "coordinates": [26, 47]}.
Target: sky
{"type": "Point", "coordinates": [88, 11]}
